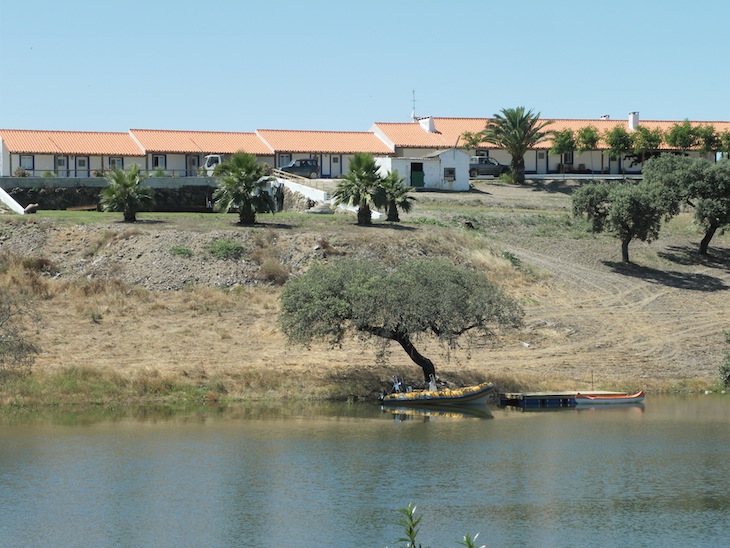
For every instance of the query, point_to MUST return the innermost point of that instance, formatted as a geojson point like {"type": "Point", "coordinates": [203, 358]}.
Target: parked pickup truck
{"type": "Point", "coordinates": [484, 165]}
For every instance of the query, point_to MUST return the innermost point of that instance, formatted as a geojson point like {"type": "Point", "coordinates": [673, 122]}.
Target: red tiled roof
{"type": "Point", "coordinates": [90, 143]}
{"type": "Point", "coordinates": [154, 140]}
{"type": "Point", "coordinates": [449, 130]}
{"type": "Point", "coordinates": [333, 142]}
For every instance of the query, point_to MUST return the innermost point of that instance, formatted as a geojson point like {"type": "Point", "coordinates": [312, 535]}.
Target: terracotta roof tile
{"type": "Point", "coordinates": [449, 130]}
{"type": "Point", "coordinates": [154, 140]}
{"type": "Point", "coordinates": [334, 142]}
{"type": "Point", "coordinates": [90, 143]}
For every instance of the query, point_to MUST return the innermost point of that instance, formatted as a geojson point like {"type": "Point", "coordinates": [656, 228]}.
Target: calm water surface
{"type": "Point", "coordinates": [325, 476]}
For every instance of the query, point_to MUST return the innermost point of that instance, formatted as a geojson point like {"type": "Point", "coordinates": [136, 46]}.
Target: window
{"type": "Point", "coordinates": [116, 163]}
{"type": "Point", "coordinates": [158, 161]}
{"type": "Point", "coordinates": [540, 155]}
{"type": "Point", "coordinates": [568, 158]}
{"type": "Point", "coordinates": [82, 167]}
{"type": "Point", "coordinates": [284, 159]}
{"type": "Point", "coordinates": [335, 159]}
{"type": "Point", "coordinates": [61, 163]}
{"type": "Point", "coordinates": [450, 174]}
{"type": "Point", "coordinates": [26, 162]}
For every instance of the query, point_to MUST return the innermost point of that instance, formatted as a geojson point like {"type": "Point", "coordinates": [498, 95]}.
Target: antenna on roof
{"type": "Point", "coordinates": [413, 111]}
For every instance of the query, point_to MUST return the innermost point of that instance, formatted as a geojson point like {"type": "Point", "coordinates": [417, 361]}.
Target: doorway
{"type": "Point", "coordinates": [417, 175]}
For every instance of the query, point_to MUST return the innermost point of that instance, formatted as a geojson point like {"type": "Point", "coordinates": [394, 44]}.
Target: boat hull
{"type": "Point", "coordinates": [470, 395]}
{"type": "Point", "coordinates": [609, 399]}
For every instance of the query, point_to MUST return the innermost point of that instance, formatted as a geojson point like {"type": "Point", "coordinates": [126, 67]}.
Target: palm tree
{"type": "Point", "coordinates": [361, 187]}
{"type": "Point", "coordinates": [239, 160]}
{"type": "Point", "coordinates": [516, 131]}
{"type": "Point", "coordinates": [396, 196]}
{"type": "Point", "coordinates": [125, 193]}
{"type": "Point", "coordinates": [243, 187]}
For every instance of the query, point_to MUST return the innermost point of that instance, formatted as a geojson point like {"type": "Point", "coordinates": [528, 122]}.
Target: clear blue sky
{"type": "Point", "coordinates": [242, 65]}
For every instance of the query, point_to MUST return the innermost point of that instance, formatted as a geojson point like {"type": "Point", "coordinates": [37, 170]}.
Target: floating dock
{"type": "Point", "coordinates": [537, 400]}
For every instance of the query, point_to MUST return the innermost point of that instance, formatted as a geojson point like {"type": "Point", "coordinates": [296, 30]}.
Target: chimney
{"type": "Point", "coordinates": [605, 117]}
{"type": "Point", "coordinates": [427, 124]}
{"type": "Point", "coordinates": [633, 121]}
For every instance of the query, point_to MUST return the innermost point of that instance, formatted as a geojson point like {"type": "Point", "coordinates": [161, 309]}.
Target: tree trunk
{"type": "Point", "coordinates": [364, 216]}
{"type": "Point", "coordinates": [393, 216]}
{"type": "Point", "coordinates": [419, 359]}
{"type": "Point", "coordinates": [518, 171]}
{"type": "Point", "coordinates": [246, 216]}
{"type": "Point", "coordinates": [625, 250]}
{"type": "Point", "coordinates": [704, 244]}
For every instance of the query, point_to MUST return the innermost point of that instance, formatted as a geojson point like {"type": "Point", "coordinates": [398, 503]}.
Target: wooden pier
{"type": "Point", "coordinates": [537, 400]}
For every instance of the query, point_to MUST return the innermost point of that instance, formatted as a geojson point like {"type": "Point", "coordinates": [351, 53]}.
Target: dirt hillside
{"type": "Point", "coordinates": [119, 297]}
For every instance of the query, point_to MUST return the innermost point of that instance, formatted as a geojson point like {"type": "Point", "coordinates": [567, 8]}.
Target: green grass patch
{"type": "Point", "coordinates": [181, 251]}
{"type": "Point", "coordinates": [86, 385]}
{"type": "Point", "coordinates": [226, 250]}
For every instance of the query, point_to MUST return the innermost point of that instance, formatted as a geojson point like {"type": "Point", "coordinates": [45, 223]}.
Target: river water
{"type": "Point", "coordinates": [337, 475]}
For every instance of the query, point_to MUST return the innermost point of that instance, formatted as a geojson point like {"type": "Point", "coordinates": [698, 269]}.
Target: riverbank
{"type": "Point", "coordinates": [158, 311]}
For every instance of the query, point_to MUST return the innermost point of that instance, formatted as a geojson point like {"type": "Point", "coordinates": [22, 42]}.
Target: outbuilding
{"type": "Point", "coordinates": [439, 170]}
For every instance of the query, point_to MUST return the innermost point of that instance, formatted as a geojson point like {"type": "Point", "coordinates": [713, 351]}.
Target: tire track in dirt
{"type": "Point", "coordinates": [595, 319]}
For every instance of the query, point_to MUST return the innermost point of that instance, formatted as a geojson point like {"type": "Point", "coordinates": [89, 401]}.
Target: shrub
{"type": "Point", "coordinates": [182, 251]}
{"type": "Point", "coordinates": [273, 271]}
{"type": "Point", "coordinates": [226, 250]}
{"type": "Point", "coordinates": [725, 366]}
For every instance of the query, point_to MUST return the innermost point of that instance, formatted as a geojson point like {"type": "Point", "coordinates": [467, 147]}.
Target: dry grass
{"type": "Point", "coordinates": [590, 321]}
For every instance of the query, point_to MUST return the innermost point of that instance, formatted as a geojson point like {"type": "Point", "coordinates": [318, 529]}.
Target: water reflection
{"type": "Point", "coordinates": [336, 475]}
{"type": "Point", "coordinates": [403, 412]}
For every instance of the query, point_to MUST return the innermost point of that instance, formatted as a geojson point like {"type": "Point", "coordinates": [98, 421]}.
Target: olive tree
{"type": "Point", "coordinates": [699, 183]}
{"type": "Point", "coordinates": [628, 210]}
{"type": "Point", "coordinates": [418, 298]}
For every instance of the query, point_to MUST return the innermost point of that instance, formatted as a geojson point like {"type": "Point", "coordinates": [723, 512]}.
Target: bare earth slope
{"type": "Point", "coordinates": [590, 321]}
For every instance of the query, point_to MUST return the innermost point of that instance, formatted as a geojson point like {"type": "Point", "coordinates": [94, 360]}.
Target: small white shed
{"type": "Point", "coordinates": [440, 170]}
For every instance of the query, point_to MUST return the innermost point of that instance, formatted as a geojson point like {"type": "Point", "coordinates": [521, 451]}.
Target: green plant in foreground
{"type": "Point", "coordinates": [226, 250]}
{"type": "Point", "coordinates": [181, 251]}
{"type": "Point", "coordinates": [725, 366]}
{"type": "Point", "coordinates": [410, 524]}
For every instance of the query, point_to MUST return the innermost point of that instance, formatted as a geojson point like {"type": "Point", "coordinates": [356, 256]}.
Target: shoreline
{"type": "Point", "coordinates": [94, 388]}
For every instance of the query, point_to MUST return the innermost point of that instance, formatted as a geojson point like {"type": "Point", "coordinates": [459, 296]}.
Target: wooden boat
{"type": "Point", "coordinates": [469, 395]}
{"type": "Point", "coordinates": [608, 399]}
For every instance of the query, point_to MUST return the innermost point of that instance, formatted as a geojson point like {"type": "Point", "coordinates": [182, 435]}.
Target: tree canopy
{"type": "Point", "coordinates": [563, 143]}
{"type": "Point", "coordinates": [360, 187]}
{"type": "Point", "coordinates": [628, 210]}
{"type": "Point", "coordinates": [242, 186]}
{"type": "Point", "coordinates": [417, 298]}
{"type": "Point", "coordinates": [124, 192]}
{"type": "Point", "coordinates": [396, 196]}
{"type": "Point", "coordinates": [516, 130]}
{"type": "Point", "coordinates": [697, 182]}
